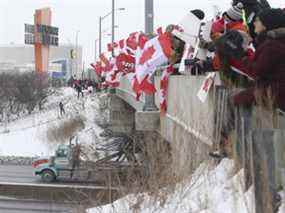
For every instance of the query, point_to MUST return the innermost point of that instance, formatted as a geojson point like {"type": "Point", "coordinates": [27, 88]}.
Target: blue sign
{"type": "Point", "coordinates": [57, 74]}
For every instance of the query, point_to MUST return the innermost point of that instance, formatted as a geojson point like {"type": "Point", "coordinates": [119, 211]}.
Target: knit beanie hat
{"type": "Point", "coordinates": [198, 13]}
{"type": "Point", "coordinates": [235, 12]}
{"type": "Point", "coordinates": [272, 18]}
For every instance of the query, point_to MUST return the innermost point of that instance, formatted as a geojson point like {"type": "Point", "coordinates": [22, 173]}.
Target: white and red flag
{"type": "Point", "coordinates": [125, 63]}
{"type": "Point", "coordinates": [107, 66]}
{"type": "Point", "coordinates": [156, 52]}
{"type": "Point", "coordinates": [206, 86]}
{"type": "Point", "coordinates": [164, 86]}
{"type": "Point", "coordinates": [97, 67]}
{"type": "Point", "coordinates": [113, 75]}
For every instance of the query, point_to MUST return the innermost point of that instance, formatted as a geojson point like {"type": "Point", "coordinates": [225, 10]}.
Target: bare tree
{"type": "Point", "coordinates": [21, 92]}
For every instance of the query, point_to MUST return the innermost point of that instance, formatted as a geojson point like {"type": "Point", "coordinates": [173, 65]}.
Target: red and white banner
{"type": "Point", "coordinates": [156, 52]}
{"type": "Point", "coordinates": [97, 68]}
{"type": "Point", "coordinates": [164, 87]}
{"type": "Point", "coordinates": [125, 63]}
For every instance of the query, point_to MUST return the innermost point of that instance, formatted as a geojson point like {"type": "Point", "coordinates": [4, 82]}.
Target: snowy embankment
{"type": "Point", "coordinates": [28, 136]}
{"type": "Point", "coordinates": [215, 190]}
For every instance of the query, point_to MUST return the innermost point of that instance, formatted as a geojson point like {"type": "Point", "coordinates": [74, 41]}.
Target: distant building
{"type": "Point", "coordinates": [22, 58]}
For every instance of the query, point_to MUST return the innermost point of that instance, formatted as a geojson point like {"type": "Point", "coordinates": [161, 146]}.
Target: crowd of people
{"type": "Point", "coordinates": [83, 85]}
{"type": "Point", "coordinates": [248, 46]}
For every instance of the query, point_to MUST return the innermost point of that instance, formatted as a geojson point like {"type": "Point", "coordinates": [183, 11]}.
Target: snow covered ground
{"type": "Point", "coordinates": [209, 191]}
{"type": "Point", "coordinates": [28, 136]}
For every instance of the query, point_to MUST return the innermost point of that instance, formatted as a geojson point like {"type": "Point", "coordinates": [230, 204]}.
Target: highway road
{"type": "Point", "coordinates": [32, 195]}
{"type": "Point", "coordinates": [24, 174]}
{"type": "Point", "coordinates": [17, 174]}
{"type": "Point", "coordinates": [8, 205]}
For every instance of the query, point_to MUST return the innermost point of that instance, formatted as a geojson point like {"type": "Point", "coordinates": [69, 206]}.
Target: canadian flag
{"type": "Point", "coordinates": [111, 46]}
{"type": "Point", "coordinates": [163, 87]}
{"type": "Point", "coordinates": [113, 76]}
{"type": "Point", "coordinates": [147, 87]}
{"type": "Point", "coordinates": [122, 44]}
{"type": "Point", "coordinates": [125, 63]}
{"type": "Point", "coordinates": [206, 86]}
{"type": "Point", "coordinates": [97, 67]}
{"type": "Point", "coordinates": [156, 52]}
{"type": "Point", "coordinates": [135, 42]}
{"type": "Point", "coordinates": [107, 66]}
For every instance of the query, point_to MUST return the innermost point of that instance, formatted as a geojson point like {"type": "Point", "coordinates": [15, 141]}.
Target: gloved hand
{"type": "Point", "coordinates": [196, 66]}
{"type": "Point", "coordinates": [199, 67]}
{"type": "Point", "coordinates": [210, 46]}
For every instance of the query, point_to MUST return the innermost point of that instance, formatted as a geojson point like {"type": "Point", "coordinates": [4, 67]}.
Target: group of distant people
{"type": "Point", "coordinates": [81, 85]}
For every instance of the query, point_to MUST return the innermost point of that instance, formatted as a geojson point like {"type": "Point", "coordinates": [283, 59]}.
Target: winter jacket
{"type": "Point", "coordinates": [267, 69]}
{"type": "Point", "coordinates": [219, 27]}
{"type": "Point", "coordinates": [217, 31]}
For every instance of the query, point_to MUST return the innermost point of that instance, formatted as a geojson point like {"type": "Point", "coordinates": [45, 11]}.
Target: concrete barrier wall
{"type": "Point", "coordinates": [188, 123]}
{"type": "Point", "coordinates": [186, 110]}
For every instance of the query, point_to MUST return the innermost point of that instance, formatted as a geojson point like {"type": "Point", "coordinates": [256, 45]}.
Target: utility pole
{"type": "Point", "coordinates": [95, 53]}
{"type": "Point", "coordinates": [101, 18]}
{"type": "Point", "coordinates": [76, 70]}
{"type": "Point", "coordinates": [100, 38]}
{"type": "Point", "coordinates": [113, 26]}
{"type": "Point", "coordinates": [149, 99]}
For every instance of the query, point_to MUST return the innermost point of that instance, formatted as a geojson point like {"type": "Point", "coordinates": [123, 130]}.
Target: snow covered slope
{"type": "Point", "coordinates": [27, 136]}
{"type": "Point", "coordinates": [208, 191]}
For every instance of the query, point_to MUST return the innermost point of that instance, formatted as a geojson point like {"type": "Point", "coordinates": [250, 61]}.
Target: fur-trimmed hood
{"type": "Point", "coordinates": [276, 33]}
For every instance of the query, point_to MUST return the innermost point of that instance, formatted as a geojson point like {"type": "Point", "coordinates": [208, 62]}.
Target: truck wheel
{"type": "Point", "coordinates": [48, 176]}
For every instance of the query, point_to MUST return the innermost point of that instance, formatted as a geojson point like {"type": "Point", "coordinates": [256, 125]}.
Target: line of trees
{"type": "Point", "coordinates": [21, 93]}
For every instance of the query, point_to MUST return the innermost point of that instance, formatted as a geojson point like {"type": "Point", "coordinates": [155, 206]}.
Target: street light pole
{"type": "Point", "coordinates": [100, 38]}
{"type": "Point", "coordinates": [76, 47]}
{"type": "Point", "coordinates": [148, 16]}
{"type": "Point", "coordinates": [113, 26]}
{"type": "Point", "coordinates": [95, 51]}
{"type": "Point", "coordinates": [101, 18]}
{"type": "Point", "coordinates": [149, 99]}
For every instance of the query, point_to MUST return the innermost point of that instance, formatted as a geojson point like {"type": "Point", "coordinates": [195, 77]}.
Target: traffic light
{"type": "Point", "coordinates": [72, 54]}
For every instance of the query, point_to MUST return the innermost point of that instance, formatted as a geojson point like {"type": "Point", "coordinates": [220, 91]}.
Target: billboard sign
{"type": "Point", "coordinates": [29, 28]}
{"type": "Point", "coordinates": [47, 35]}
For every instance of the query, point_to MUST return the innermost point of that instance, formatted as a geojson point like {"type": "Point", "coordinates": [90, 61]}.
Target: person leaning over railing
{"type": "Point", "coordinates": [268, 65]}
{"type": "Point", "coordinates": [230, 20]}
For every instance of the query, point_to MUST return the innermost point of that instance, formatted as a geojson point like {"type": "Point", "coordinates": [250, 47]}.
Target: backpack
{"type": "Point", "coordinates": [230, 45]}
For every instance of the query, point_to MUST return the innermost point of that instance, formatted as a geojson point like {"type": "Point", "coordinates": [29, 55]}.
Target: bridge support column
{"type": "Point", "coordinates": [122, 116]}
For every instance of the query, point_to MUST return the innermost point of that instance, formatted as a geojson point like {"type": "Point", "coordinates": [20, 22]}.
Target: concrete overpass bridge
{"type": "Point", "coordinates": [188, 123]}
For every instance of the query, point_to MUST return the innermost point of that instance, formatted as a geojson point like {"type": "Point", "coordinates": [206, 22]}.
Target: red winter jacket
{"type": "Point", "coordinates": [268, 71]}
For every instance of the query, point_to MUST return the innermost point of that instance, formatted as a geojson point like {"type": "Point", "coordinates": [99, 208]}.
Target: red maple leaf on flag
{"type": "Point", "coordinates": [207, 84]}
{"type": "Point", "coordinates": [125, 63]}
{"type": "Point", "coordinates": [131, 41]}
{"type": "Point", "coordinates": [147, 54]}
{"type": "Point", "coordinates": [142, 40]}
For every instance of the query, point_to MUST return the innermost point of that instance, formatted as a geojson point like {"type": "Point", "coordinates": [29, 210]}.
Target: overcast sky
{"type": "Point", "coordinates": [83, 15]}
